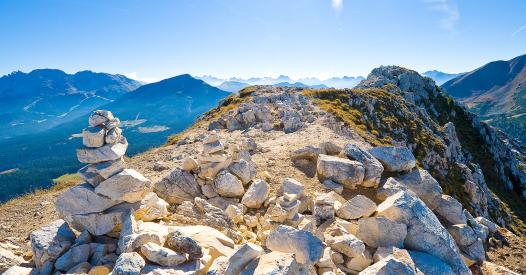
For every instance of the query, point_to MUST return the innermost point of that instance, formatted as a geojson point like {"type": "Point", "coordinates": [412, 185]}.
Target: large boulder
{"type": "Point", "coordinates": [429, 264]}
{"type": "Point", "coordinates": [82, 199]}
{"type": "Point", "coordinates": [450, 209]}
{"type": "Point", "coordinates": [177, 187]}
{"type": "Point", "coordinates": [394, 159]}
{"type": "Point", "coordinates": [105, 153]}
{"type": "Point", "coordinates": [128, 185]}
{"type": "Point", "coordinates": [373, 168]}
{"type": "Point", "coordinates": [307, 247]}
{"type": "Point", "coordinates": [293, 187]}
{"type": "Point", "coordinates": [357, 207]}
{"type": "Point", "coordinates": [277, 263]}
{"type": "Point", "coordinates": [76, 255]}
{"type": "Point", "coordinates": [100, 223]}
{"type": "Point", "coordinates": [381, 232]}
{"type": "Point", "coordinates": [51, 241]}
{"type": "Point", "coordinates": [256, 194]}
{"type": "Point", "coordinates": [424, 231]}
{"type": "Point", "coordinates": [228, 185]}
{"type": "Point", "coordinates": [217, 243]}
{"type": "Point", "coordinates": [344, 171]}
{"type": "Point", "coordinates": [418, 181]}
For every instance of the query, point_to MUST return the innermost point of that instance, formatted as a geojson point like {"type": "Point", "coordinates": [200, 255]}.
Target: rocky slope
{"type": "Point", "coordinates": [374, 180]}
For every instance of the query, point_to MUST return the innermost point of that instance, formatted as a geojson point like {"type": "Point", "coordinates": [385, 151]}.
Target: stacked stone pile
{"type": "Point", "coordinates": [272, 109]}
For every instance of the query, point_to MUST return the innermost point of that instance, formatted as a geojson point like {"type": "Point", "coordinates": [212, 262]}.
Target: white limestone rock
{"type": "Point", "coordinates": [108, 169]}
{"type": "Point", "coordinates": [100, 223]}
{"type": "Point", "coordinates": [189, 164]}
{"type": "Point", "coordinates": [346, 244]}
{"type": "Point", "coordinates": [51, 241]}
{"type": "Point", "coordinates": [463, 234]}
{"type": "Point", "coordinates": [93, 137]}
{"type": "Point", "coordinates": [89, 175]}
{"type": "Point", "coordinates": [429, 264]}
{"type": "Point", "coordinates": [373, 168]}
{"type": "Point", "coordinates": [161, 255]}
{"type": "Point", "coordinates": [152, 208]}
{"type": "Point", "coordinates": [492, 227]}
{"type": "Point", "coordinates": [228, 185]}
{"type": "Point", "coordinates": [418, 181]}
{"type": "Point", "coordinates": [357, 207]}
{"type": "Point", "coordinates": [381, 232]}
{"type": "Point", "coordinates": [244, 170]}
{"type": "Point", "coordinates": [81, 199]}
{"type": "Point", "coordinates": [128, 185]}
{"type": "Point", "coordinates": [177, 187]}
{"type": "Point", "coordinates": [129, 264]}
{"type": "Point", "coordinates": [113, 135]}
{"type": "Point", "coordinates": [424, 231]}
{"type": "Point", "coordinates": [8, 259]}
{"type": "Point", "coordinates": [277, 263]}
{"type": "Point", "coordinates": [293, 187]}
{"type": "Point", "coordinates": [323, 209]}
{"type": "Point", "coordinates": [241, 258]}
{"type": "Point", "coordinates": [333, 186]}
{"type": "Point", "coordinates": [394, 159]}
{"type": "Point", "coordinates": [344, 171]}
{"type": "Point", "coordinates": [307, 247]}
{"type": "Point", "coordinates": [360, 262]}
{"type": "Point", "coordinates": [100, 117]}
{"type": "Point", "coordinates": [105, 153]}
{"type": "Point", "coordinates": [256, 194]}
{"type": "Point", "coordinates": [217, 243]}
{"type": "Point", "coordinates": [20, 270]}
{"type": "Point", "coordinates": [450, 209]}
{"type": "Point", "coordinates": [389, 266]}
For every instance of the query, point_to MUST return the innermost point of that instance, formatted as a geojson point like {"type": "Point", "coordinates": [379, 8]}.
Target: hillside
{"type": "Point", "coordinates": [440, 77]}
{"type": "Point", "coordinates": [148, 116]}
{"type": "Point", "coordinates": [42, 99]}
{"type": "Point", "coordinates": [308, 181]}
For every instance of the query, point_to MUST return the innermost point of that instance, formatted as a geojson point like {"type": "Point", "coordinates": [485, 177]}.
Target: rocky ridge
{"type": "Point", "coordinates": [346, 205]}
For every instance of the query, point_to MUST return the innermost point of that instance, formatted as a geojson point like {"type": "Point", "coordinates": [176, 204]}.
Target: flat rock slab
{"type": "Point", "coordinates": [307, 247]}
{"type": "Point", "coordinates": [128, 185]}
{"type": "Point", "coordinates": [104, 153]}
{"type": "Point", "coordinates": [82, 199]}
{"type": "Point", "coordinates": [347, 172]}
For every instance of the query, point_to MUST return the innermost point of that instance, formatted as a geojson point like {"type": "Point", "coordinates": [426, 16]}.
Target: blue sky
{"type": "Point", "coordinates": [151, 40]}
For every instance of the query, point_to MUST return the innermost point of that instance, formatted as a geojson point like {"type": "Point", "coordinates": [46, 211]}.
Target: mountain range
{"type": "Point", "coordinates": [440, 77]}
{"type": "Point", "coordinates": [41, 99]}
{"type": "Point", "coordinates": [497, 93]}
{"type": "Point", "coordinates": [235, 84]}
{"type": "Point", "coordinates": [148, 116]}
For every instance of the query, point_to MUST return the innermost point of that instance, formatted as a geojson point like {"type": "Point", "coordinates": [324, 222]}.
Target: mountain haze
{"type": "Point", "coordinates": [44, 98]}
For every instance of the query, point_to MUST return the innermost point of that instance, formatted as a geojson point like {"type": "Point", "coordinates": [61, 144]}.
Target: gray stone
{"type": "Point", "coordinates": [333, 186]}
{"type": "Point", "coordinates": [100, 223]}
{"type": "Point", "coordinates": [8, 259]}
{"type": "Point", "coordinates": [492, 227]}
{"type": "Point", "coordinates": [380, 231]}
{"type": "Point", "coordinates": [104, 153]}
{"type": "Point", "coordinates": [389, 266]}
{"type": "Point", "coordinates": [463, 234]}
{"type": "Point", "coordinates": [240, 259]}
{"type": "Point", "coordinates": [244, 170]}
{"type": "Point", "coordinates": [344, 171]}
{"type": "Point", "coordinates": [277, 263]}
{"type": "Point", "coordinates": [293, 187]}
{"type": "Point", "coordinates": [93, 137]}
{"type": "Point", "coordinates": [51, 241]}
{"type": "Point", "coordinates": [108, 168]}
{"type": "Point", "coordinates": [329, 148]}
{"type": "Point", "coordinates": [89, 175]}
{"type": "Point", "coordinates": [228, 185]}
{"type": "Point", "coordinates": [189, 164]}
{"type": "Point", "coordinates": [113, 136]}
{"type": "Point", "coordinates": [307, 247]}
{"type": "Point", "coordinates": [180, 243]}
{"type": "Point", "coordinates": [73, 257]}
{"type": "Point", "coordinates": [394, 159]}
{"type": "Point", "coordinates": [20, 270]}
{"type": "Point", "coordinates": [429, 264]}
{"type": "Point", "coordinates": [424, 231]}
{"type": "Point", "coordinates": [177, 187]}
{"type": "Point", "coordinates": [81, 199]}
{"type": "Point", "coordinates": [81, 268]}
{"type": "Point", "coordinates": [323, 209]}
{"type": "Point", "coordinates": [450, 209]}
{"type": "Point", "coordinates": [129, 264]}
{"type": "Point", "coordinates": [99, 117]}
{"type": "Point", "coordinates": [161, 255]}
{"type": "Point", "coordinates": [256, 194]}
{"type": "Point", "coordinates": [128, 185]}
{"type": "Point", "coordinates": [357, 207]}
{"type": "Point", "coordinates": [373, 168]}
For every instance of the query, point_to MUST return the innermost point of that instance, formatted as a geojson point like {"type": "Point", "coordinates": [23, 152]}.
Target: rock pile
{"type": "Point", "coordinates": [380, 214]}
{"type": "Point", "coordinates": [272, 109]}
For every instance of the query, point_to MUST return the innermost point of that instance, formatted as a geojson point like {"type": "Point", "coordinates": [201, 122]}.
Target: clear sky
{"type": "Point", "coordinates": [151, 40]}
